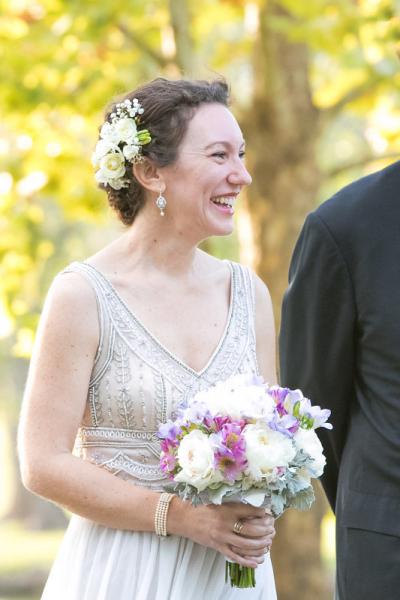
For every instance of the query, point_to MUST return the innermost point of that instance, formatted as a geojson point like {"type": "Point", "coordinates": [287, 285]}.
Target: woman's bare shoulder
{"type": "Point", "coordinates": [70, 305]}
{"type": "Point", "coordinates": [72, 288]}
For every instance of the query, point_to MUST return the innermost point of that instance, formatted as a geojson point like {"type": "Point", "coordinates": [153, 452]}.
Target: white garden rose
{"type": "Point", "coordinates": [237, 398]}
{"type": "Point", "coordinates": [266, 449]}
{"type": "Point", "coordinates": [103, 147]}
{"type": "Point", "coordinates": [116, 184]}
{"type": "Point", "coordinates": [126, 129]}
{"type": "Point", "coordinates": [196, 457]}
{"type": "Point", "coordinates": [130, 151]}
{"type": "Point", "coordinates": [112, 165]}
{"type": "Point", "coordinates": [307, 440]}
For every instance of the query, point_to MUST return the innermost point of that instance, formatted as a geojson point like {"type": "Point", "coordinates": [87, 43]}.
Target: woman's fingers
{"type": "Point", "coordinates": [245, 511]}
{"type": "Point", "coordinates": [249, 546]}
{"type": "Point", "coordinates": [245, 561]}
{"type": "Point", "coordinates": [256, 552]}
{"type": "Point", "coordinates": [257, 527]}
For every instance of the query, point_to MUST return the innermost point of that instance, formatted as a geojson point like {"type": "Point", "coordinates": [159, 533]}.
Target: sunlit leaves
{"type": "Point", "coordinates": [62, 61]}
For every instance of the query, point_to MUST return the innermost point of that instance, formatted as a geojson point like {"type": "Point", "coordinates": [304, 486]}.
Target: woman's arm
{"type": "Point", "coordinates": [53, 406]}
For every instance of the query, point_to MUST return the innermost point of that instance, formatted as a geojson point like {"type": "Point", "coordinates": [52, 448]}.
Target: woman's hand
{"type": "Point", "coordinates": [213, 526]}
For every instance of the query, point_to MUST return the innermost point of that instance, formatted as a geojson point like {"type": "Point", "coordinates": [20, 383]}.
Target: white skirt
{"type": "Point", "coordinates": [99, 563]}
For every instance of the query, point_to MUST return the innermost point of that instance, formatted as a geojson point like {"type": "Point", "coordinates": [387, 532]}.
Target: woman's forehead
{"type": "Point", "coordinates": [212, 124]}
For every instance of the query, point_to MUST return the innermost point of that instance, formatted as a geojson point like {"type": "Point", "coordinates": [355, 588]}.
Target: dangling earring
{"type": "Point", "coordinates": [161, 203]}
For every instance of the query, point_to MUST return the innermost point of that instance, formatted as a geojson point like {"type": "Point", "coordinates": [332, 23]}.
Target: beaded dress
{"type": "Point", "coordinates": [136, 384]}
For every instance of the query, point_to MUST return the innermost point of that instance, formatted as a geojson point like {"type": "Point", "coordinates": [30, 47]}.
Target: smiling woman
{"type": "Point", "coordinates": [128, 335]}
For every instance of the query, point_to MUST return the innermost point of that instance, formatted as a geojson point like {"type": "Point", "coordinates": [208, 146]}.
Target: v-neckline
{"type": "Point", "coordinates": [155, 339]}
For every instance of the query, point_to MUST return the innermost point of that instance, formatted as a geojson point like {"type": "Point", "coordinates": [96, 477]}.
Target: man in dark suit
{"type": "Point", "coordinates": [340, 344]}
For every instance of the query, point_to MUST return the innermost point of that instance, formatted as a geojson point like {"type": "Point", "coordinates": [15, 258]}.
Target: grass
{"type": "Point", "coordinates": [25, 560]}
{"type": "Point", "coordinates": [22, 550]}
{"type": "Point", "coordinates": [35, 597]}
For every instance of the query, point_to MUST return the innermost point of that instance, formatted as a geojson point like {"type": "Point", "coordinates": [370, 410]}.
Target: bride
{"type": "Point", "coordinates": [129, 334]}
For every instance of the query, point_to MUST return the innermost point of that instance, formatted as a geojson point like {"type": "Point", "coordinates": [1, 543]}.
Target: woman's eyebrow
{"type": "Point", "coordinates": [223, 143]}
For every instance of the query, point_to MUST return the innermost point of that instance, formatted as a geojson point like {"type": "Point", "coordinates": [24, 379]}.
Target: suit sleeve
{"type": "Point", "coordinates": [317, 349]}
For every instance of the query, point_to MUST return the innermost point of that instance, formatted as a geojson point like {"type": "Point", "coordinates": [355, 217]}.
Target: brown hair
{"type": "Point", "coordinates": [168, 108]}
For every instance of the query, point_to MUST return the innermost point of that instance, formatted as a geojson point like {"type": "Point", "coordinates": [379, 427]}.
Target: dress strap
{"type": "Point", "coordinates": [106, 328]}
{"type": "Point", "coordinates": [246, 291]}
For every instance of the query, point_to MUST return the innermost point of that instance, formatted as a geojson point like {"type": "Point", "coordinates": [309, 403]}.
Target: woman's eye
{"type": "Point", "coordinates": [219, 154]}
{"type": "Point", "coordinates": [242, 154]}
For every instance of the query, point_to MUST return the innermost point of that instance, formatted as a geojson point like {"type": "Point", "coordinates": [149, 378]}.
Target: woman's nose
{"type": "Point", "coordinates": [240, 175]}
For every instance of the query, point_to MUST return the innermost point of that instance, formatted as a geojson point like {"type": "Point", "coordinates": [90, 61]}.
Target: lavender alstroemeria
{"type": "Point", "coordinates": [279, 395]}
{"type": "Point", "coordinates": [219, 422]}
{"type": "Point", "coordinates": [168, 463]}
{"type": "Point", "coordinates": [230, 451]}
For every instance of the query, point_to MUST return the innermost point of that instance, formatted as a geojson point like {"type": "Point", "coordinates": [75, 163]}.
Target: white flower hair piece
{"type": "Point", "coordinates": [120, 142]}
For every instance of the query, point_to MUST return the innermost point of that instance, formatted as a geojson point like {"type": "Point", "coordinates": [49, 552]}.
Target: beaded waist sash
{"type": "Point", "coordinates": [127, 453]}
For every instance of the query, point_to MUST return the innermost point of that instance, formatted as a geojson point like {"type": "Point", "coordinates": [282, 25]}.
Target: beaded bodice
{"type": "Point", "coordinates": [136, 383]}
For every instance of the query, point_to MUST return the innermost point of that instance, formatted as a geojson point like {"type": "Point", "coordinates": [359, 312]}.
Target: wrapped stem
{"type": "Point", "coordinates": [238, 576]}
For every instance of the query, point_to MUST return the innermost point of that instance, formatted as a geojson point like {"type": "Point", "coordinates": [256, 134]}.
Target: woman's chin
{"type": "Point", "coordinates": [224, 231]}
{"type": "Point", "coordinates": [220, 224]}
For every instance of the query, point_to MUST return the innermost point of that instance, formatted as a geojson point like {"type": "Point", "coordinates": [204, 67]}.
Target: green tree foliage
{"type": "Point", "coordinates": [62, 61]}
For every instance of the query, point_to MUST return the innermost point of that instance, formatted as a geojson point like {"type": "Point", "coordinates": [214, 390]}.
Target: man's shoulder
{"type": "Point", "coordinates": [366, 198]}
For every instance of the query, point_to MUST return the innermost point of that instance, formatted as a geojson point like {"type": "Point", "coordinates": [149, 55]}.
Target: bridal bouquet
{"type": "Point", "coordinates": [243, 440]}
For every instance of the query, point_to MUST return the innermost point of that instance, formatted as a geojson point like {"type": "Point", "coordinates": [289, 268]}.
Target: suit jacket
{"type": "Point", "coordinates": [340, 343]}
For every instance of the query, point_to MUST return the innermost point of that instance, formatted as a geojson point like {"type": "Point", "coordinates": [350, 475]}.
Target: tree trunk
{"type": "Point", "coordinates": [185, 56]}
{"type": "Point", "coordinates": [281, 128]}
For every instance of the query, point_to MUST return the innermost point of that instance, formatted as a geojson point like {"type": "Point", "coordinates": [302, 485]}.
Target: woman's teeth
{"type": "Point", "coordinates": [223, 200]}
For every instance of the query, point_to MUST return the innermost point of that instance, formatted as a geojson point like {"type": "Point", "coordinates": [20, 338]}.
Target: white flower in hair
{"type": "Point", "coordinates": [126, 129]}
{"type": "Point", "coordinates": [120, 141]}
{"type": "Point", "coordinates": [131, 151]}
{"type": "Point", "coordinates": [103, 147]}
{"type": "Point", "coordinates": [107, 132]}
{"type": "Point", "coordinates": [112, 169]}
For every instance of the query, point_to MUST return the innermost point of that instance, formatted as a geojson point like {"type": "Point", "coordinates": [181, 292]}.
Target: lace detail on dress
{"type": "Point", "coordinates": [137, 383]}
{"type": "Point", "coordinates": [95, 405]}
{"type": "Point", "coordinates": [123, 377]}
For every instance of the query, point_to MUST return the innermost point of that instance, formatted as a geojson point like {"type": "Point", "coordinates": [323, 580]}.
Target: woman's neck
{"type": "Point", "coordinates": [156, 246]}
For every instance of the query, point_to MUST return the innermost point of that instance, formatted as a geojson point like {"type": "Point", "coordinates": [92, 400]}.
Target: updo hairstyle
{"type": "Point", "coordinates": [168, 108]}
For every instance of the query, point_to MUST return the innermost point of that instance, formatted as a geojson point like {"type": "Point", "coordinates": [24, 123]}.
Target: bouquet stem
{"type": "Point", "coordinates": [240, 577]}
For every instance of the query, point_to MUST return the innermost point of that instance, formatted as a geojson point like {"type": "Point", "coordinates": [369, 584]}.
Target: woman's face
{"type": "Point", "coordinates": [203, 184]}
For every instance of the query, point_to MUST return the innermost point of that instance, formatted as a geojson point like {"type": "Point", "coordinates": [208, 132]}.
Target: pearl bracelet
{"type": "Point", "coordinates": [160, 516]}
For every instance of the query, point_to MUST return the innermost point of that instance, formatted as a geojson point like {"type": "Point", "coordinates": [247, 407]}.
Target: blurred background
{"type": "Point", "coordinates": [316, 90]}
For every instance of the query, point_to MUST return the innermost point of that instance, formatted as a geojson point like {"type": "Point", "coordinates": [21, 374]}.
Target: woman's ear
{"type": "Point", "coordinates": [148, 175]}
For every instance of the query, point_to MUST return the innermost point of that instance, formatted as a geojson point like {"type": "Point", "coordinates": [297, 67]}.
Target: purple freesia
{"type": "Point", "coordinates": [293, 403]}
{"type": "Point", "coordinates": [169, 430]}
{"type": "Point", "coordinates": [314, 416]}
{"type": "Point", "coordinates": [320, 419]}
{"type": "Point", "coordinates": [196, 413]}
{"type": "Point", "coordinates": [286, 424]}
